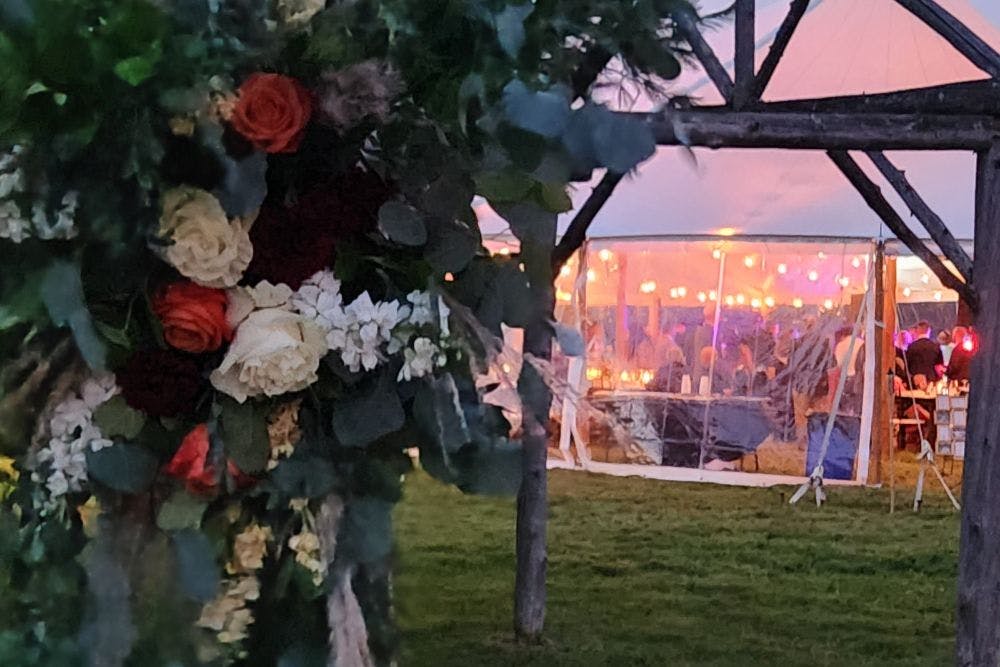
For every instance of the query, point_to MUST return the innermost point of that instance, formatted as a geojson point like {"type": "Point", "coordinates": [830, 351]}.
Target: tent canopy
{"type": "Point", "coordinates": [841, 47]}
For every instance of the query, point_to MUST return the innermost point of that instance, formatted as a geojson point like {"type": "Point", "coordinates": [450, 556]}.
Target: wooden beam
{"type": "Point", "coordinates": [576, 233]}
{"type": "Point", "coordinates": [745, 50]}
{"type": "Point", "coordinates": [873, 197]}
{"type": "Point", "coordinates": [977, 615]}
{"type": "Point", "coordinates": [957, 33]}
{"type": "Point", "coordinates": [704, 53]}
{"type": "Point", "coordinates": [973, 98]}
{"type": "Point", "coordinates": [718, 127]}
{"type": "Point", "coordinates": [785, 31]}
{"type": "Point", "coordinates": [946, 242]}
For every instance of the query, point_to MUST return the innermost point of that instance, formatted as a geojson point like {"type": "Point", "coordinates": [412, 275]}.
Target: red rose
{"type": "Point", "coordinates": [193, 317]}
{"type": "Point", "coordinates": [190, 462]}
{"type": "Point", "coordinates": [272, 112]}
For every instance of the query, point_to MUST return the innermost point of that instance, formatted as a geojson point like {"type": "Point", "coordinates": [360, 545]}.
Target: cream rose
{"type": "Point", "coordinates": [275, 351]}
{"type": "Point", "coordinates": [299, 12]}
{"type": "Point", "coordinates": [203, 244]}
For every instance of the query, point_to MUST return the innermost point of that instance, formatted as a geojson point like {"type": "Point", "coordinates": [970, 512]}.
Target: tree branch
{"type": "Point", "coordinates": [957, 33]}
{"type": "Point", "coordinates": [944, 239]}
{"type": "Point", "coordinates": [576, 233]}
{"type": "Point", "coordinates": [795, 13]}
{"type": "Point", "coordinates": [716, 72]}
{"type": "Point", "coordinates": [873, 197]}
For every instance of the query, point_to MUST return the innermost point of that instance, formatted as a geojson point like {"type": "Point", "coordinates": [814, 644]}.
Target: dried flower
{"type": "Point", "coordinates": [358, 92]}
{"type": "Point", "coordinates": [283, 432]}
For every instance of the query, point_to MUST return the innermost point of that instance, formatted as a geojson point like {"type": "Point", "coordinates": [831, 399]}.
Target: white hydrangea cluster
{"type": "Point", "coordinates": [62, 462]}
{"type": "Point", "coordinates": [15, 224]}
{"type": "Point", "coordinates": [365, 333]}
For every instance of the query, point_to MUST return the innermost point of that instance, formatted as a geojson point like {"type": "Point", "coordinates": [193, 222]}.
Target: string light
{"type": "Point", "coordinates": [605, 255]}
{"type": "Point", "coordinates": [624, 376]}
{"type": "Point", "coordinates": [813, 275]}
{"type": "Point", "coordinates": [856, 262]}
{"type": "Point", "coordinates": [646, 377]}
{"type": "Point", "coordinates": [782, 269]}
{"type": "Point", "coordinates": [504, 251]}
{"type": "Point", "coordinates": [565, 271]}
{"type": "Point", "coordinates": [682, 291]}
{"type": "Point", "coordinates": [593, 373]}
{"type": "Point", "coordinates": [591, 275]}
{"type": "Point", "coordinates": [740, 299]}
{"type": "Point", "coordinates": [797, 302]}
{"type": "Point", "coordinates": [702, 297]}
{"type": "Point", "coordinates": [925, 279]}
{"type": "Point", "coordinates": [647, 286]}
{"type": "Point", "coordinates": [755, 303]}
{"type": "Point", "coordinates": [907, 292]}
{"type": "Point", "coordinates": [938, 296]}
{"type": "Point", "coordinates": [563, 296]}
{"type": "Point", "coordinates": [821, 254]}
{"type": "Point", "coordinates": [716, 254]}
{"type": "Point", "coordinates": [673, 293]}
{"type": "Point", "coordinates": [448, 277]}
{"type": "Point", "coordinates": [712, 296]}
{"type": "Point", "coordinates": [730, 300]}
{"type": "Point", "coordinates": [748, 261]}
{"type": "Point", "coordinates": [769, 301]}
{"type": "Point", "coordinates": [844, 281]}
{"type": "Point", "coordinates": [828, 304]}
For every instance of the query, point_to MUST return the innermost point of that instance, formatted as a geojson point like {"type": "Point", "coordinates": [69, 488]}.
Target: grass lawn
{"type": "Point", "coordinates": [652, 573]}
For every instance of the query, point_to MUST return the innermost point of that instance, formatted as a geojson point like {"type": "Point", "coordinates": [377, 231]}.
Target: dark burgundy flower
{"type": "Point", "coordinates": [292, 243]}
{"type": "Point", "coordinates": [161, 383]}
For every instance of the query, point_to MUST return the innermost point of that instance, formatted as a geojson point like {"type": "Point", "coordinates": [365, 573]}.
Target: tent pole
{"type": "Point", "coordinates": [868, 392]}
{"type": "Point", "coordinates": [711, 364]}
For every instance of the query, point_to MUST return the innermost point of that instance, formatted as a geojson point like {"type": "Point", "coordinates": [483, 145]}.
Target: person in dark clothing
{"type": "Point", "coordinates": [924, 357]}
{"type": "Point", "coordinates": [961, 356]}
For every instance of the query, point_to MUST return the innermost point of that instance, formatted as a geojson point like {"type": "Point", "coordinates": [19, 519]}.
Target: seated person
{"type": "Point", "coordinates": [669, 376]}
{"type": "Point", "coordinates": [961, 358]}
{"type": "Point", "coordinates": [924, 357]}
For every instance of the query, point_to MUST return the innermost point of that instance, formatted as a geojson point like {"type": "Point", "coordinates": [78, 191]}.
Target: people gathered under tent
{"type": "Point", "coordinates": [924, 360]}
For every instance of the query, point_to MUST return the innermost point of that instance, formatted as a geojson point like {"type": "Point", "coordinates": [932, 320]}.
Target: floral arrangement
{"type": "Point", "coordinates": [242, 278]}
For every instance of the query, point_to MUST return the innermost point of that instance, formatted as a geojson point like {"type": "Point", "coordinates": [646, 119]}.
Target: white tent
{"type": "Point", "coordinates": [841, 47]}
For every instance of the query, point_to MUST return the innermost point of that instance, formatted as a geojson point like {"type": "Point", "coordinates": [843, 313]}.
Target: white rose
{"type": "Point", "coordinates": [204, 245]}
{"type": "Point", "coordinates": [275, 351]}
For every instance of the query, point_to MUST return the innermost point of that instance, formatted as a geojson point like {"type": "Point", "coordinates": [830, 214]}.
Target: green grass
{"type": "Point", "coordinates": [653, 573]}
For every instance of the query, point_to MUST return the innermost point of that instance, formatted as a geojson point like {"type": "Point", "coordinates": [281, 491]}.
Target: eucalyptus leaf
{"type": "Point", "coordinates": [510, 27]}
{"type": "Point", "coordinates": [529, 221]}
{"type": "Point", "coordinates": [244, 434]}
{"type": "Point", "coordinates": [116, 418]}
{"type": "Point", "coordinates": [439, 414]}
{"type": "Point", "coordinates": [451, 246]}
{"type": "Point", "coordinates": [197, 571]}
{"type": "Point", "coordinates": [545, 112]}
{"type": "Point", "coordinates": [181, 510]}
{"type": "Point", "coordinates": [504, 186]}
{"type": "Point", "coordinates": [554, 198]}
{"type": "Point", "coordinates": [62, 294]}
{"type": "Point", "coordinates": [401, 223]}
{"type": "Point", "coordinates": [123, 467]}
{"type": "Point", "coordinates": [369, 413]}
{"type": "Point", "coordinates": [305, 477]}
{"type": "Point", "coordinates": [137, 69]}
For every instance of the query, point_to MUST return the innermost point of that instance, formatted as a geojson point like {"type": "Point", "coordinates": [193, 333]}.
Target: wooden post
{"type": "Point", "coordinates": [978, 610]}
{"type": "Point", "coordinates": [745, 49]}
{"type": "Point", "coordinates": [796, 11]}
{"type": "Point", "coordinates": [882, 416]}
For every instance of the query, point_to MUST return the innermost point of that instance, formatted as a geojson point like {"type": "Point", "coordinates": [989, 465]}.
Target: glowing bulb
{"type": "Point", "coordinates": [591, 275]}
{"type": "Point", "coordinates": [565, 271]}
{"type": "Point", "coordinates": [506, 368]}
{"type": "Point", "coordinates": [938, 296]}
{"type": "Point", "coordinates": [797, 302]}
{"type": "Point", "coordinates": [856, 262]}
{"type": "Point", "coordinates": [702, 297]}
{"type": "Point", "coordinates": [624, 376]}
{"type": "Point", "coordinates": [682, 291]}
{"type": "Point", "coordinates": [782, 269]}
{"type": "Point", "coordinates": [769, 301]}
{"type": "Point", "coordinates": [813, 275]}
{"type": "Point", "coordinates": [748, 261]}
{"type": "Point", "coordinates": [646, 377]}
{"type": "Point", "coordinates": [740, 299]}
{"type": "Point", "coordinates": [448, 277]}
{"type": "Point", "coordinates": [504, 251]}
{"type": "Point", "coordinates": [821, 254]}
{"type": "Point", "coordinates": [605, 255]}
{"type": "Point", "coordinates": [647, 286]}
{"type": "Point", "coordinates": [673, 292]}
{"type": "Point", "coordinates": [593, 373]}
{"type": "Point", "coordinates": [727, 231]}
{"type": "Point", "coordinates": [968, 344]}
{"type": "Point", "coordinates": [755, 303]}
{"type": "Point", "coordinates": [925, 279]}
{"type": "Point", "coordinates": [828, 304]}
{"type": "Point", "coordinates": [563, 296]}
{"type": "Point", "coordinates": [717, 254]}
{"type": "Point", "coordinates": [712, 296]}
{"type": "Point", "coordinates": [844, 281]}
{"type": "Point", "coordinates": [730, 300]}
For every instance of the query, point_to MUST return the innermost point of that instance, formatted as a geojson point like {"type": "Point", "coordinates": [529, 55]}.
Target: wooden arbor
{"type": "Point", "coordinates": [964, 116]}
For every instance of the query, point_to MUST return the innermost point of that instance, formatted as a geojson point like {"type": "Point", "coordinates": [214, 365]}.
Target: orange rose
{"type": "Point", "coordinates": [272, 112]}
{"type": "Point", "coordinates": [190, 463]}
{"type": "Point", "coordinates": [193, 317]}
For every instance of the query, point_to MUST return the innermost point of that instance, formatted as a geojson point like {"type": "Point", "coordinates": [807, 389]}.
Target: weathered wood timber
{"type": "Point", "coordinates": [795, 13]}
{"type": "Point", "coordinates": [716, 72]}
{"type": "Point", "coordinates": [576, 232]}
{"type": "Point", "coordinates": [743, 63]}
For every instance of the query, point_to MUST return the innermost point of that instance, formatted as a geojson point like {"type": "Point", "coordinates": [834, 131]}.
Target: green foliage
{"type": "Point", "coordinates": [123, 467]}
{"type": "Point", "coordinates": [62, 292]}
{"type": "Point", "coordinates": [180, 511]}
{"type": "Point", "coordinates": [372, 411]}
{"type": "Point", "coordinates": [197, 571]}
{"type": "Point", "coordinates": [401, 223]}
{"type": "Point", "coordinates": [116, 418]}
{"type": "Point", "coordinates": [244, 434]}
